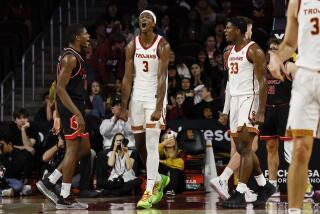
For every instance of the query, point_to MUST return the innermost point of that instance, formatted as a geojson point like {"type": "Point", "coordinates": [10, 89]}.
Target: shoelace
{"type": "Point", "coordinates": [146, 195]}
{"type": "Point", "coordinates": [155, 188]}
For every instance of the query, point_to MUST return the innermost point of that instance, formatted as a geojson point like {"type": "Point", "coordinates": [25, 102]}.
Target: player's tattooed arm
{"type": "Point", "coordinates": [257, 57]}
{"type": "Point", "coordinates": [164, 53]}
{"type": "Point", "coordinates": [68, 63]}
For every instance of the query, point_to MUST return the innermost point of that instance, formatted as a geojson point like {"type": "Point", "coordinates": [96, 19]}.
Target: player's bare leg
{"type": "Point", "coordinates": [298, 171]}
{"type": "Point", "coordinates": [220, 183]}
{"type": "Point", "coordinates": [140, 139]}
{"type": "Point", "coordinates": [272, 146]}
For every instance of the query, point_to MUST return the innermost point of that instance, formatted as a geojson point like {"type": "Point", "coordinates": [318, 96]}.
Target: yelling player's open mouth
{"type": "Point", "coordinates": [144, 24]}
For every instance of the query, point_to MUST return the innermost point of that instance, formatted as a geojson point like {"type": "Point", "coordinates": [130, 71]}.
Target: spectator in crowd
{"type": "Point", "coordinates": [210, 49]}
{"type": "Point", "coordinates": [186, 85]}
{"type": "Point", "coordinates": [209, 107]}
{"type": "Point", "coordinates": [115, 94]}
{"type": "Point", "coordinates": [94, 102]}
{"type": "Point", "coordinates": [177, 111]}
{"type": "Point", "coordinates": [207, 14]}
{"type": "Point", "coordinates": [182, 69]}
{"type": "Point", "coordinates": [220, 37]}
{"type": "Point", "coordinates": [89, 65]}
{"type": "Point", "coordinates": [18, 167]}
{"type": "Point", "coordinates": [173, 81]}
{"type": "Point", "coordinates": [203, 61]}
{"type": "Point", "coordinates": [108, 128]}
{"type": "Point", "coordinates": [9, 187]}
{"type": "Point", "coordinates": [165, 26]}
{"type": "Point", "coordinates": [53, 156]}
{"type": "Point", "coordinates": [197, 77]}
{"type": "Point", "coordinates": [111, 16]}
{"type": "Point", "coordinates": [21, 134]}
{"type": "Point", "coordinates": [122, 179]}
{"type": "Point", "coordinates": [111, 60]}
{"type": "Point", "coordinates": [192, 25]}
{"type": "Point", "coordinates": [172, 163]}
{"type": "Point", "coordinates": [45, 113]}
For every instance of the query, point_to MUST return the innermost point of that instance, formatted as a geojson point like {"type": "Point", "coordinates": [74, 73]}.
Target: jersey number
{"type": "Point", "coordinates": [146, 66]}
{"type": "Point", "coordinates": [315, 22]}
{"type": "Point", "coordinates": [234, 68]}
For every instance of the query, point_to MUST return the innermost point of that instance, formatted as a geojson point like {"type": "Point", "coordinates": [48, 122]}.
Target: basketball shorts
{"type": "Point", "coordinates": [140, 113]}
{"type": "Point", "coordinates": [68, 121]}
{"type": "Point", "coordinates": [275, 122]}
{"type": "Point", "coordinates": [242, 111]}
{"type": "Point", "coordinates": [304, 110]}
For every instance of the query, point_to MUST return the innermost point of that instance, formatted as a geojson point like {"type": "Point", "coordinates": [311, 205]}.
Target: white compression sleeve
{"type": "Point", "coordinates": [227, 100]}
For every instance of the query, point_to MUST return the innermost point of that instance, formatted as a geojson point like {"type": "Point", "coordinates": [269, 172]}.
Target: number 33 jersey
{"type": "Point", "coordinates": [309, 35]}
{"type": "Point", "coordinates": [146, 62]}
{"type": "Point", "coordinates": [242, 80]}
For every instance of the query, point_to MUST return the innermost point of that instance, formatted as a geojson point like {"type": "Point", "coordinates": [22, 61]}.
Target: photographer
{"type": "Point", "coordinates": [15, 165]}
{"type": "Point", "coordinates": [122, 179]}
{"type": "Point", "coordinates": [172, 163]}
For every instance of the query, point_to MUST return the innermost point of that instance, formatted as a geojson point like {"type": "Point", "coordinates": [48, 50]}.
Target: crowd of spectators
{"type": "Point", "coordinates": [196, 85]}
{"type": "Point", "coordinates": [20, 22]}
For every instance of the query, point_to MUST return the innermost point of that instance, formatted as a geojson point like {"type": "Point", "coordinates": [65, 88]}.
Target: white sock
{"type": "Point", "coordinates": [65, 190]}
{"type": "Point", "coordinates": [226, 174]}
{"type": "Point", "coordinates": [150, 184]}
{"type": "Point", "coordinates": [55, 176]}
{"type": "Point", "coordinates": [152, 141]}
{"type": "Point", "coordinates": [294, 211]}
{"type": "Point", "coordinates": [274, 183]}
{"type": "Point", "coordinates": [241, 187]}
{"type": "Point", "coordinates": [261, 180]}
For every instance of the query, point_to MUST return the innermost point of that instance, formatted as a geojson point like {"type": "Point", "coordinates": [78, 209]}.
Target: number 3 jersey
{"type": "Point", "coordinates": [146, 62]}
{"type": "Point", "coordinates": [309, 35]}
{"type": "Point", "coordinates": [242, 80]}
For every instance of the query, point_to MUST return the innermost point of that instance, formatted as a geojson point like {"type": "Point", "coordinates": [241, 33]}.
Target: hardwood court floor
{"type": "Point", "coordinates": [180, 204]}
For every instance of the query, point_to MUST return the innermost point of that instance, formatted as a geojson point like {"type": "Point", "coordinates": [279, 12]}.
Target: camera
{"type": "Point", "coordinates": [171, 134]}
{"type": "Point", "coordinates": [125, 142]}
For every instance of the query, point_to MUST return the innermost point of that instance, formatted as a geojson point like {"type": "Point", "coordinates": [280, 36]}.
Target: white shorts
{"type": "Point", "coordinates": [304, 110]}
{"type": "Point", "coordinates": [140, 113]}
{"type": "Point", "coordinates": [242, 110]}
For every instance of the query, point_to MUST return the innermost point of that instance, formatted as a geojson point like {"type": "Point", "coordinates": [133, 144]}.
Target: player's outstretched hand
{"type": "Point", "coordinates": [122, 115]}
{"type": "Point", "coordinates": [155, 115]}
{"type": "Point", "coordinates": [276, 66]}
{"type": "Point", "coordinates": [80, 122]}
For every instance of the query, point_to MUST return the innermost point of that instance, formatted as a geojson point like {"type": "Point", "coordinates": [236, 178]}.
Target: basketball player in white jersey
{"type": "Point", "coordinates": [147, 59]}
{"type": "Point", "coordinates": [246, 65]}
{"type": "Point", "coordinates": [220, 183]}
{"type": "Point", "coordinates": [302, 31]}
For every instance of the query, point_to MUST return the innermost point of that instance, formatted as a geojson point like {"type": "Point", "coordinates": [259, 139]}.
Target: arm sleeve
{"type": "Point", "coordinates": [106, 127]}
{"type": "Point", "coordinates": [227, 100]}
{"type": "Point", "coordinates": [176, 163]}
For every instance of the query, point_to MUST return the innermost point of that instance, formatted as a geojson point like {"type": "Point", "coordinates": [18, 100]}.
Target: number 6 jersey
{"type": "Point", "coordinates": [242, 80]}
{"type": "Point", "coordinates": [146, 61]}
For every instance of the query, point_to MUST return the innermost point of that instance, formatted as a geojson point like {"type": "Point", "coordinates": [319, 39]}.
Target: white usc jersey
{"type": "Point", "coordinates": [309, 35]}
{"type": "Point", "coordinates": [146, 63]}
{"type": "Point", "coordinates": [242, 80]}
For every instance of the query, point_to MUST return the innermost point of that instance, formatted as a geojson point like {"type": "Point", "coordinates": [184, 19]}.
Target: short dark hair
{"type": "Point", "coordinates": [73, 31]}
{"type": "Point", "coordinates": [273, 40]}
{"type": "Point", "coordinates": [21, 112]}
{"type": "Point", "coordinates": [239, 22]}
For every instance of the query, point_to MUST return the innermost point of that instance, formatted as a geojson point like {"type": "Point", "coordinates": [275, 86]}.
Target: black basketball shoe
{"type": "Point", "coordinates": [236, 200]}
